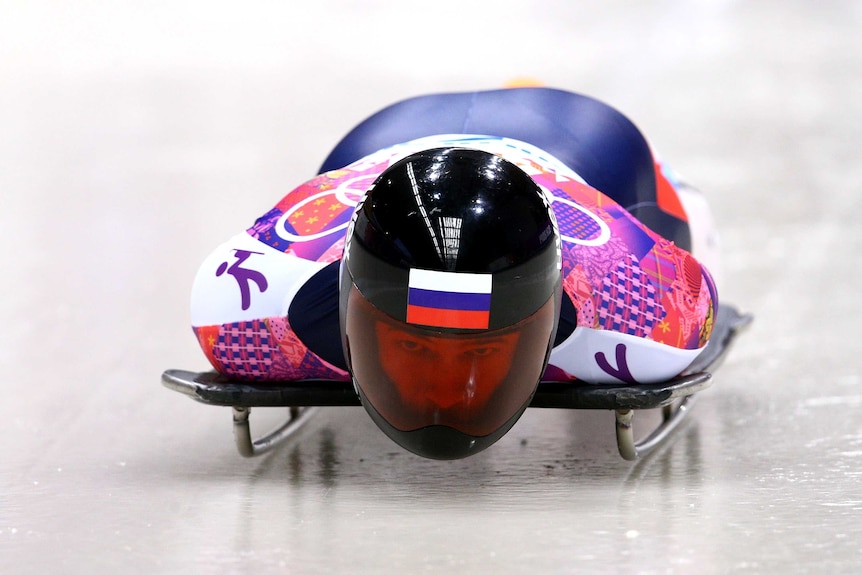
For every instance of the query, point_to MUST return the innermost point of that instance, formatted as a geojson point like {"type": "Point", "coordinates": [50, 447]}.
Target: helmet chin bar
{"type": "Point", "coordinates": [675, 397]}
{"type": "Point", "coordinates": [440, 441]}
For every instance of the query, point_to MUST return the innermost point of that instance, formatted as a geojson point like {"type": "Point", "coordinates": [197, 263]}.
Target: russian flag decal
{"type": "Point", "coordinates": [449, 299]}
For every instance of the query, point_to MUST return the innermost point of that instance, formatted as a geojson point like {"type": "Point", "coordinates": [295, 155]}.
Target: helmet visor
{"type": "Point", "coordinates": [416, 377]}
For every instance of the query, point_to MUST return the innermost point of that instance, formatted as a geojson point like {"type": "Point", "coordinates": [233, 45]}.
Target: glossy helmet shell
{"type": "Point", "coordinates": [450, 293]}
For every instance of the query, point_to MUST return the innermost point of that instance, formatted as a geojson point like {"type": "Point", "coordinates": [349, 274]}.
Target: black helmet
{"type": "Point", "coordinates": [450, 293]}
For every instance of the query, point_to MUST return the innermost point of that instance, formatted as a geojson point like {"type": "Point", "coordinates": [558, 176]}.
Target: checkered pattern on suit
{"type": "Point", "coordinates": [628, 300]}
{"type": "Point", "coordinates": [244, 349]}
{"type": "Point", "coordinates": [575, 223]}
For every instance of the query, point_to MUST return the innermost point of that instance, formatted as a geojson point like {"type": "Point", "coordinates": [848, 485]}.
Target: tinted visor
{"type": "Point", "coordinates": [416, 377]}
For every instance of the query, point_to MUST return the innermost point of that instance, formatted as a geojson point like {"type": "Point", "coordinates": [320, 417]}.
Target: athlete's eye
{"type": "Point", "coordinates": [409, 345]}
{"type": "Point", "coordinates": [484, 351]}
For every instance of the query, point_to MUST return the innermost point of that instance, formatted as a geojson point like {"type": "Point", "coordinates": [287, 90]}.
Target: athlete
{"type": "Point", "coordinates": [457, 249]}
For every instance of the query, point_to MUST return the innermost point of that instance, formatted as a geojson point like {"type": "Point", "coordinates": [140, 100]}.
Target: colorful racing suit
{"type": "Point", "coordinates": [636, 307]}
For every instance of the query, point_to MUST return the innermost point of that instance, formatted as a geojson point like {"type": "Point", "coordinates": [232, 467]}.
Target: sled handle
{"type": "Point", "coordinates": [249, 447]}
{"type": "Point", "coordinates": [672, 417]}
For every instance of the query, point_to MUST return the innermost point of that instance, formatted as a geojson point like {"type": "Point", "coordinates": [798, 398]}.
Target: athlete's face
{"type": "Point", "coordinates": [445, 375]}
{"type": "Point", "coordinates": [415, 377]}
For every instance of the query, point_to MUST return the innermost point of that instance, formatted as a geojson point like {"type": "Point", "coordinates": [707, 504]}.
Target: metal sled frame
{"type": "Point", "coordinates": [675, 397]}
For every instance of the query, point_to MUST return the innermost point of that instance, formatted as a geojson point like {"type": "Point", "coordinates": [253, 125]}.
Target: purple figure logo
{"type": "Point", "coordinates": [621, 371]}
{"type": "Point", "coordinates": [244, 276]}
